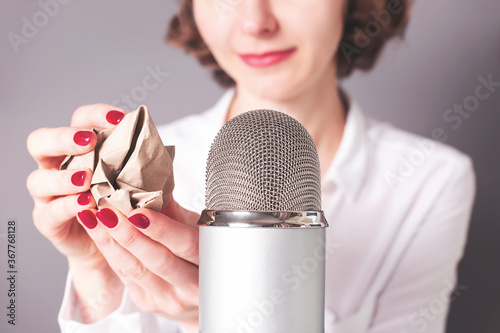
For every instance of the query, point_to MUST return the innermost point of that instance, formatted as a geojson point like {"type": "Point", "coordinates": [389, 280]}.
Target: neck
{"type": "Point", "coordinates": [319, 109]}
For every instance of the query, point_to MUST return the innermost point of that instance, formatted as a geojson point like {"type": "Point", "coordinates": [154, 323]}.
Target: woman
{"type": "Point", "coordinates": [399, 205]}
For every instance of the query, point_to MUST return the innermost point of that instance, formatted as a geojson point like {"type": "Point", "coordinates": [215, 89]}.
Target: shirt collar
{"type": "Point", "coordinates": [348, 168]}
{"type": "Point", "coordinates": [221, 108]}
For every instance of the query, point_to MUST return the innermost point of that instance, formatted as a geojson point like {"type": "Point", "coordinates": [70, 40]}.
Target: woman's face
{"type": "Point", "coordinates": [272, 48]}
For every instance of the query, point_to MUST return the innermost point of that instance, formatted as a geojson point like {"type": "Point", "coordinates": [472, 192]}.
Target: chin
{"type": "Point", "coordinates": [267, 88]}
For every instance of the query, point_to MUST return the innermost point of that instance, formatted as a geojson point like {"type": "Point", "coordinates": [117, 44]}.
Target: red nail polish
{"type": "Point", "coordinates": [82, 138]}
{"type": "Point", "coordinates": [84, 199]}
{"type": "Point", "coordinates": [107, 217]}
{"type": "Point", "coordinates": [78, 178]}
{"type": "Point", "coordinates": [139, 220]}
{"type": "Point", "coordinates": [114, 117]}
{"type": "Point", "coordinates": [88, 218]}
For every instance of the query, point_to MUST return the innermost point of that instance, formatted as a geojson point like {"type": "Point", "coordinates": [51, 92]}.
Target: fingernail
{"type": "Point", "coordinates": [139, 220]}
{"type": "Point", "coordinates": [84, 199]}
{"type": "Point", "coordinates": [114, 117]}
{"type": "Point", "coordinates": [78, 178]}
{"type": "Point", "coordinates": [82, 138]}
{"type": "Point", "coordinates": [88, 218]}
{"type": "Point", "coordinates": [107, 217]}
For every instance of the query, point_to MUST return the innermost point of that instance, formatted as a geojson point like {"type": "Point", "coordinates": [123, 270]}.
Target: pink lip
{"type": "Point", "coordinates": [266, 59]}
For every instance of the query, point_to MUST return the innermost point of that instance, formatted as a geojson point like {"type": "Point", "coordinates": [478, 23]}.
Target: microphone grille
{"type": "Point", "coordinates": [263, 160]}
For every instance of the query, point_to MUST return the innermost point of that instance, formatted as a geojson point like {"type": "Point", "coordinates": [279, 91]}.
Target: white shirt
{"type": "Point", "coordinates": [398, 206]}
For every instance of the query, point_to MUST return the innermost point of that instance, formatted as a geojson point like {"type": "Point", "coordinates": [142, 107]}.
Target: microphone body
{"type": "Point", "coordinates": [264, 279]}
{"type": "Point", "coordinates": [262, 234]}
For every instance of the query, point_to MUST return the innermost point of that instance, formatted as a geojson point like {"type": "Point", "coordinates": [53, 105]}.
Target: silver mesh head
{"type": "Point", "coordinates": [263, 160]}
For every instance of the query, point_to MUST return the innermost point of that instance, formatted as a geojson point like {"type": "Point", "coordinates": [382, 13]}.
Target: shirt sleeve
{"type": "Point", "coordinates": [127, 318]}
{"type": "Point", "coordinates": [417, 296]}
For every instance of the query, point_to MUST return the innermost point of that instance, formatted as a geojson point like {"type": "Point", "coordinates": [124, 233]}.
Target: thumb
{"type": "Point", "coordinates": [175, 211]}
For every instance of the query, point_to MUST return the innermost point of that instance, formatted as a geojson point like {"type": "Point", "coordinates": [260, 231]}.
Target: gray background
{"type": "Point", "coordinates": [94, 51]}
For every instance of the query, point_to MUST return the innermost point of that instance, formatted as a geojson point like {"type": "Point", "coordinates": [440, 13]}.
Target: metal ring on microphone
{"type": "Point", "coordinates": [260, 219]}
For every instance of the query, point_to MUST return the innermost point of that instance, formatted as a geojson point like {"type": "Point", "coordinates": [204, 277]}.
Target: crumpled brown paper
{"type": "Point", "coordinates": [131, 167]}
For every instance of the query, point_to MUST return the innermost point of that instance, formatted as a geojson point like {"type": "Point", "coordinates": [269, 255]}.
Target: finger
{"type": "Point", "coordinates": [45, 184]}
{"type": "Point", "coordinates": [181, 239]}
{"type": "Point", "coordinates": [155, 256]}
{"type": "Point", "coordinates": [125, 264]}
{"type": "Point", "coordinates": [179, 213]}
{"type": "Point", "coordinates": [152, 298]}
{"type": "Point", "coordinates": [62, 209]}
{"type": "Point", "coordinates": [56, 221]}
{"type": "Point", "coordinates": [134, 274]}
{"type": "Point", "coordinates": [97, 116]}
{"type": "Point", "coordinates": [66, 207]}
{"type": "Point", "coordinates": [49, 146]}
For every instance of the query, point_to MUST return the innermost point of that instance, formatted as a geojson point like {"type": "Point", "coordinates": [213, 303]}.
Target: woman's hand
{"type": "Point", "coordinates": [154, 254]}
{"type": "Point", "coordinates": [60, 194]}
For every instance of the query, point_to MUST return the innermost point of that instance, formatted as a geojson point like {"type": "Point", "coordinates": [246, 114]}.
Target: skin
{"type": "Point", "coordinates": [159, 264]}
{"type": "Point", "coordinates": [304, 84]}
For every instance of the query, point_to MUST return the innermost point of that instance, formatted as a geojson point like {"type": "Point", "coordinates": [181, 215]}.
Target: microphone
{"type": "Point", "coordinates": [262, 234]}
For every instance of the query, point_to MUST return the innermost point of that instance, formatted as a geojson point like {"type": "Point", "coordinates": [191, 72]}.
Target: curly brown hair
{"type": "Point", "coordinates": [368, 24]}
